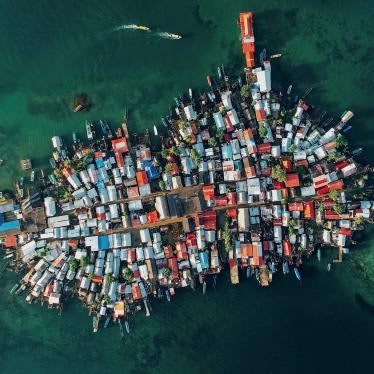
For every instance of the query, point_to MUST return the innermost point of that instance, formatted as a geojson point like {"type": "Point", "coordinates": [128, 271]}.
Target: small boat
{"type": "Point", "coordinates": [52, 162]}
{"type": "Point", "coordinates": [319, 254]}
{"type": "Point", "coordinates": [177, 101]}
{"type": "Point", "coordinates": [159, 293]}
{"type": "Point", "coordinates": [52, 178]}
{"type": "Point", "coordinates": [121, 328]}
{"type": "Point", "coordinates": [219, 72]}
{"type": "Point", "coordinates": [167, 295]}
{"type": "Point", "coordinates": [168, 35]}
{"type": "Point", "coordinates": [142, 28]}
{"type": "Point", "coordinates": [74, 137]}
{"type": "Point", "coordinates": [329, 266]}
{"type": "Point", "coordinates": [32, 176]}
{"type": "Point", "coordinates": [248, 272]}
{"type": "Point", "coordinates": [78, 108]}
{"type": "Point", "coordinates": [1, 162]}
{"type": "Point", "coordinates": [95, 324]}
{"type": "Point", "coordinates": [190, 92]}
{"type": "Point", "coordinates": [107, 321]}
{"type": "Point", "coordinates": [209, 79]}
{"type": "Point", "coordinates": [297, 273]}
{"type": "Point", "coordinates": [273, 268]}
{"type": "Point", "coordinates": [277, 55]}
{"type": "Point", "coordinates": [211, 96]}
{"type": "Point", "coordinates": [347, 129]}
{"type": "Point", "coordinates": [89, 130]}
{"type": "Point", "coordinates": [155, 130]}
{"type": "Point", "coordinates": [13, 289]}
{"type": "Point", "coordinates": [289, 89]}
{"type": "Point", "coordinates": [262, 55]}
{"type": "Point", "coordinates": [21, 181]}
{"type": "Point", "coordinates": [240, 81]}
{"type": "Point", "coordinates": [285, 268]}
{"type": "Point", "coordinates": [6, 257]}
{"type": "Point", "coordinates": [164, 122]}
{"type": "Point", "coordinates": [357, 151]}
{"type": "Point", "coordinates": [127, 327]}
{"type": "Point", "coordinates": [172, 291]}
{"type": "Point", "coordinates": [105, 128]}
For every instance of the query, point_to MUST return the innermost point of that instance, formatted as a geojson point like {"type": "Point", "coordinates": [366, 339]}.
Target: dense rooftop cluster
{"type": "Point", "coordinates": [245, 176]}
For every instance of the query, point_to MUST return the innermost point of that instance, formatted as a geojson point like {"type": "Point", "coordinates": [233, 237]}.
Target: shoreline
{"type": "Point", "coordinates": [235, 145]}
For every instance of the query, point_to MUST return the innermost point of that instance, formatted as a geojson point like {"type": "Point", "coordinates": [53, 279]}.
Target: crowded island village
{"type": "Point", "coordinates": [241, 179]}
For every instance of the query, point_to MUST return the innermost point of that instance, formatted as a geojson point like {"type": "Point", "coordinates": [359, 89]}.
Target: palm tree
{"type": "Point", "coordinates": [166, 273]}
{"type": "Point", "coordinates": [128, 275]}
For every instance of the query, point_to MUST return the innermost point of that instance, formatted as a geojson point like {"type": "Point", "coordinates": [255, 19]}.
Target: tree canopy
{"type": "Point", "coordinates": [334, 195]}
{"type": "Point", "coordinates": [262, 130]}
{"type": "Point", "coordinates": [128, 275]}
{"type": "Point", "coordinates": [339, 208]}
{"type": "Point", "coordinates": [278, 173]}
{"type": "Point", "coordinates": [245, 91]}
{"type": "Point", "coordinates": [341, 142]}
{"type": "Point", "coordinates": [166, 273]}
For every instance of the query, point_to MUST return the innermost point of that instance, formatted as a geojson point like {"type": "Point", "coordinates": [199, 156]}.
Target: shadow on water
{"type": "Point", "coordinates": [364, 304]}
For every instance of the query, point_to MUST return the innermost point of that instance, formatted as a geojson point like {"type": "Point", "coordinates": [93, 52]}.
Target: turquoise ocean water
{"type": "Point", "coordinates": [52, 50]}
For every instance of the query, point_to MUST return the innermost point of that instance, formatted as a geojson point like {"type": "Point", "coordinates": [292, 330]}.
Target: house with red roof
{"type": "Point", "coordinates": [141, 177]}
{"type": "Point", "coordinates": [309, 212]}
{"type": "Point", "coordinates": [208, 192]}
{"type": "Point", "coordinates": [287, 248]}
{"type": "Point", "coordinates": [292, 180]}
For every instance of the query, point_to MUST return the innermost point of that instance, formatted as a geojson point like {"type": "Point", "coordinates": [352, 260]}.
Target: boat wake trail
{"type": "Point", "coordinates": [125, 27]}
{"type": "Point", "coordinates": [163, 35]}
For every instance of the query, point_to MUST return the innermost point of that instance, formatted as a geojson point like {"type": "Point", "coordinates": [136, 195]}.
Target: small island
{"type": "Point", "coordinates": [241, 177]}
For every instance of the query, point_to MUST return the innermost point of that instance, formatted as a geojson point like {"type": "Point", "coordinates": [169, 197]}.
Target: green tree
{"type": "Point", "coordinates": [262, 130]}
{"type": "Point", "coordinates": [83, 261]}
{"type": "Point", "coordinates": [359, 220]}
{"type": "Point", "coordinates": [188, 139]}
{"type": "Point", "coordinates": [162, 185]}
{"type": "Point", "coordinates": [222, 110]}
{"type": "Point", "coordinates": [339, 208]}
{"type": "Point", "coordinates": [212, 142]}
{"type": "Point", "coordinates": [220, 135]}
{"type": "Point", "coordinates": [90, 276]}
{"type": "Point", "coordinates": [341, 142]}
{"type": "Point", "coordinates": [292, 148]}
{"type": "Point", "coordinates": [278, 174]}
{"type": "Point", "coordinates": [227, 236]}
{"type": "Point", "coordinates": [168, 168]}
{"type": "Point", "coordinates": [195, 157]}
{"type": "Point", "coordinates": [284, 201]}
{"type": "Point", "coordinates": [58, 173]}
{"type": "Point", "coordinates": [166, 273]}
{"type": "Point", "coordinates": [109, 278]}
{"type": "Point", "coordinates": [128, 275]}
{"type": "Point", "coordinates": [245, 91]}
{"type": "Point", "coordinates": [164, 153]}
{"type": "Point", "coordinates": [73, 265]}
{"type": "Point", "coordinates": [333, 155]}
{"type": "Point", "coordinates": [334, 195]}
{"type": "Point", "coordinates": [174, 150]}
{"type": "Point", "coordinates": [181, 125]}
